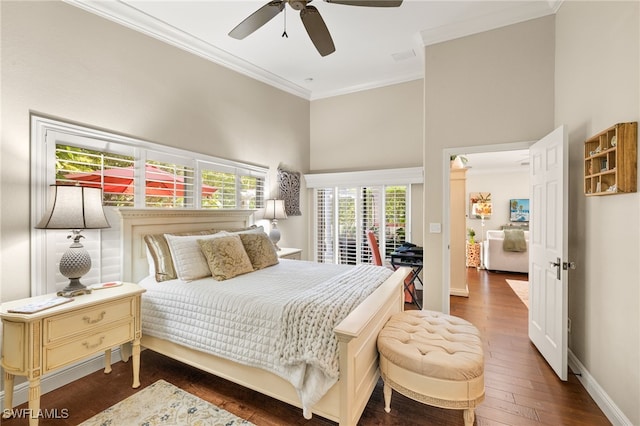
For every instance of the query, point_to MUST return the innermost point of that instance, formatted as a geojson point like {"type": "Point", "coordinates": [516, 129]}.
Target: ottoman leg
{"type": "Point", "coordinates": [469, 415]}
{"type": "Point", "coordinates": [386, 390]}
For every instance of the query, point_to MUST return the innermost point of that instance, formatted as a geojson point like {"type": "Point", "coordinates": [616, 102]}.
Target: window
{"type": "Point", "coordinates": [348, 204]}
{"type": "Point", "coordinates": [355, 210]}
{"type": "Point", "coordinates": [97, 169]}
{"type": "Point", "coordinates": [132, 173]}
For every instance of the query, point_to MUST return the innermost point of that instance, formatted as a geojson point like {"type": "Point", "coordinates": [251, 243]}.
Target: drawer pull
{"type": "Point", "coordinates": [90, 321]}
{"type": "Point", "coordinates": [88, 346]}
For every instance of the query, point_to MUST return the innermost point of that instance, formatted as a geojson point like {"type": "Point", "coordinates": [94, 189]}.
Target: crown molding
{"type": "Point", "coordinates": [137, 20]}
{"type": "Point", "coordinates": [488, 22]}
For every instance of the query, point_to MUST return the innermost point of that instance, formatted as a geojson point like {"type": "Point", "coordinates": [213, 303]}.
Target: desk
{"type": "Point", "coordinates": [414, 261]}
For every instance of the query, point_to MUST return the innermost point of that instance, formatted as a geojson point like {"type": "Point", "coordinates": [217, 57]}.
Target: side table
{"type": "Point", "coordinates": [37, 343]}
{"type": "Point", "coordinates": [473, 254]}
{"type": "Point", "coordinates": [290, 253]}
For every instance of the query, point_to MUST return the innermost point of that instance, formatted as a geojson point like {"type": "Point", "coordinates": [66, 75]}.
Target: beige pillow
{"type": "Point", "coordinates": [260, 249]}
{"type": "Point", "coordinates": [161, 255]}
{"type": "Point", "coordinates": [226, 257]}
{"type": "Point", "coordinates": [187, 256]}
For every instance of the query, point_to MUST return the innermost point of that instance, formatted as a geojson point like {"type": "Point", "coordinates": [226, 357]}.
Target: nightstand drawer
{"type": "Point", "coordinates": [56, 356]}
{"type": "Point", "coordinates": [83, 320]}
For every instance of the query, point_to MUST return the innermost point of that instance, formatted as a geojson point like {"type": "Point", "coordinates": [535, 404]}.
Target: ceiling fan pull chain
{"type": "Point", "coordinates": [284, 34]}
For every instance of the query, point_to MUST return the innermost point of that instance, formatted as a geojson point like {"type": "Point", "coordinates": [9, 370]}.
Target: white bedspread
{"type": "Point", "coordinates": [242, 318]}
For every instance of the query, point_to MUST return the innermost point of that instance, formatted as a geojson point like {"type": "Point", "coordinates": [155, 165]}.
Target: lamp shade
{"type": "Point", "coordinates": [274, 209]}
{"type": "Point", "coordinates": [482, 209]}
{"type": "Point", "coordinates": [74, 207]}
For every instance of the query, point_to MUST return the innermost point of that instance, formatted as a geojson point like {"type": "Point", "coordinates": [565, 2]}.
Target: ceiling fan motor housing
{"type": "Point", "coordinates": [298, 4]}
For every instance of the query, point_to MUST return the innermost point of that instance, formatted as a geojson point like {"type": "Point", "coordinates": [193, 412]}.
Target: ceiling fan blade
{"type": "Point", "coordinates": [257, 19]}
{"type": "Point", "coordinates": [368, 3]}
{"type": "Point", "coordinates": [317, 30]}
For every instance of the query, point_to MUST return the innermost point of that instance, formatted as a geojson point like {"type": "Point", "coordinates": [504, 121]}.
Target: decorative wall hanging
{"type": "Point", "coordinates": [480, 205]}
{"type": "Point", "coordinates": [289, 185]}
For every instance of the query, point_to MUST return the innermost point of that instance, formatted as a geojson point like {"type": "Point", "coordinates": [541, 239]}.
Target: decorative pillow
{"type": "Point", "coordinates": [161, 255]}
{"type": "Point", "coordinates": [226, 256]}
{"type": "Point", "coordinates": [260, 249]}
{"type": "Point", "coordinates": [187, 256]}
{"type": "Point", "coordinates": [151, 263]}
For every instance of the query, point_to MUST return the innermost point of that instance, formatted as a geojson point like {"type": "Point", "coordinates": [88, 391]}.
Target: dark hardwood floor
{"type": "Point", "coordinates": [520, 388]}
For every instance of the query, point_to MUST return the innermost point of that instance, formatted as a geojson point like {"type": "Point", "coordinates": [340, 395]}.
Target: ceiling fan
{"type": "Point", "coordinates": [311, 19]}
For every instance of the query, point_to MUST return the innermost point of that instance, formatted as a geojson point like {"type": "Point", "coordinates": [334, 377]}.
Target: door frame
{"type": "Point", "coordinates": [446, 205]}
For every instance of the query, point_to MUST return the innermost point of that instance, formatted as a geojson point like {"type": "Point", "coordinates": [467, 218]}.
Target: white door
{"type": "Point", "coordinates": [548, 287]}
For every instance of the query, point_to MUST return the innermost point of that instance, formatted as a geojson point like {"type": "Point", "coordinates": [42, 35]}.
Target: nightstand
{"type": "Point", "coordinates": [37, 343]}
{"type": "Point", "coordinates": [290, 253]}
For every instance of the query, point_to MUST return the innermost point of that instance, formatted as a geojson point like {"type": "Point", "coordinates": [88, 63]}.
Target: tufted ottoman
{"type": "Point", "coordinates": [433, 358]}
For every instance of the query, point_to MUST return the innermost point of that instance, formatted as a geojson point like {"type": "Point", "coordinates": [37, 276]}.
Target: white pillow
{"type": "Point", "coordinates": [187, 255]}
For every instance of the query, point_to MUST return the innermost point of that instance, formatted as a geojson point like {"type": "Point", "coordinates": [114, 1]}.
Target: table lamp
{"type": "Point", "coordinates": [74, 208]}
{"type": "Point", "coordinates": [274, 210]}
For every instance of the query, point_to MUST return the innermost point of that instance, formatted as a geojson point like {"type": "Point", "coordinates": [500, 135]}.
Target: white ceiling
{"type": "Point", "coordinates": [498, 162]}
{"type": "Point", "coordinates": [366, 38]}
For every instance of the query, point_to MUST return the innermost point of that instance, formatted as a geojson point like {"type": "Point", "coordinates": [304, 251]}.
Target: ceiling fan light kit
{"type": "Point", "coordinates": [310, 16]}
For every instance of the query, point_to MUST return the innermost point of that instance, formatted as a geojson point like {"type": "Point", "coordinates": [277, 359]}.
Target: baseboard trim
{"type": "Point", "coordinates": [61, 377]}
{"type": "Point", "coordinates": [459, 292]}
{"type": "Point", "coordinates": [601, 398]}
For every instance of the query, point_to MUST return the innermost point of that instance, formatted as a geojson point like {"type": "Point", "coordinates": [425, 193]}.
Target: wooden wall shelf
{"type": "Point", "coordinates": [611, 161]}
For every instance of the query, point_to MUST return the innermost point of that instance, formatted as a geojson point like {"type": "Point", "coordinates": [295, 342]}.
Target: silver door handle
{"type": "Point", "coordinates": [558, 265]}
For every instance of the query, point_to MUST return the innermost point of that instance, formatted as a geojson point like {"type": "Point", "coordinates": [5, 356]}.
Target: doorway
{"type": "Point", "coordinates": [483, 162]}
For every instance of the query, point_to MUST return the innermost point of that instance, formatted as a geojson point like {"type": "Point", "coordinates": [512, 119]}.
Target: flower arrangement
{"type": "Point", "coordinates": [472, 235]}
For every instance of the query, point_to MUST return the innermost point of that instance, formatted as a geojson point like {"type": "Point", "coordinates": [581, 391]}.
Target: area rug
{"type": "Point", "coordinates": [521, 289]}
{"type": "Point", "coordinates": [164, 404]}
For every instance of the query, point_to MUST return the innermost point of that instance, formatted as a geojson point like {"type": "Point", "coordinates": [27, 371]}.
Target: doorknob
{"type": "Point", "coordinates": [557, 264]}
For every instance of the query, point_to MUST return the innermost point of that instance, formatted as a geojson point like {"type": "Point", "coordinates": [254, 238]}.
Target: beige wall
{"type": "Point", "coordinates": [490, 88]}
{"type": "Point", "coordinates": [370, 130]}
{"type": "Point", "coordinates": [598, 85]}
{"type": "Point", "coordinates": [63, 62]}
{"type": "Point", "coordinates": [373, 129]}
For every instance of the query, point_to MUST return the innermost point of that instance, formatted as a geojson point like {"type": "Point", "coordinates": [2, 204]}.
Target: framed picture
{"type": "Point", "coordinates": [519, 210]}
{"type": "Point", "coordinates": [480, 205]}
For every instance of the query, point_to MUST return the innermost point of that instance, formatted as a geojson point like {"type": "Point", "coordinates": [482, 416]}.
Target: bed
{"type": "Point", "coordinates": [356, 334]}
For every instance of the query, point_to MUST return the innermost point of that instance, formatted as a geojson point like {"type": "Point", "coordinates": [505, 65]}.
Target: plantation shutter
{"type": "Point", "coordinates": [251, 190]}
{"type": "Point", "coordinates": [325, 225]}
{"type": "Point", "coordinates": [395, 220]}
{"type": "Point", "coordinates": [345, 214]}
{"type": "Point", "coordinates": [371, 214]}
{"type": "Point", "coordinates": [168, 184]}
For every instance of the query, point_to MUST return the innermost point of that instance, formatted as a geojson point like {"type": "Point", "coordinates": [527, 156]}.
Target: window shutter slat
{"type": "Point", "coordinates": [345, 214]}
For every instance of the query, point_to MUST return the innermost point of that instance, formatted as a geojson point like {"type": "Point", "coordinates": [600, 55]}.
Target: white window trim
{"type": "Point", "coordinates": [408, 176]}
{"type": "Point", "coordinates": [43, 174]}
{"type": "Point", "coordinates": [384, 177]}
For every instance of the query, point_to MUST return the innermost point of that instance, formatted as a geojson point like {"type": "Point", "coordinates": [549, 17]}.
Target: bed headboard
{"type": "Point", "coordinates": [136, 223]}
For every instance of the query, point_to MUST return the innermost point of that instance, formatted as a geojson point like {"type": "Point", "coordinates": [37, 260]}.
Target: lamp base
{"type": "Point", "coordinates": [75, 288]}
{"type": "Point", "coordinates": [274, 234]}
{"type": "Point", "coordinates": [73, 293]}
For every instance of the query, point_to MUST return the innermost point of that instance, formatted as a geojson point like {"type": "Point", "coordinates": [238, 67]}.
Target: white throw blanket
{"type": "Point", "coordinates": [307, 338]}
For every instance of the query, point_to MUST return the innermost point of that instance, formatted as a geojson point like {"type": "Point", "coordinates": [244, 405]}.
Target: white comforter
{"type": "Point", "coordinates": [242, 318]}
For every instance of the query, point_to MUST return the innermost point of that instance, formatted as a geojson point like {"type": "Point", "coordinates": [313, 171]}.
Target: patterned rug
{"type": "Point", "coordinates": [521, 289]}
{"type": "Point", "coordinates": [164, 404]}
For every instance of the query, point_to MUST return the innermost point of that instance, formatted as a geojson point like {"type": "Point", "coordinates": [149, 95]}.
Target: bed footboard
{"type": "Point", "coordinates": [357, 336]}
